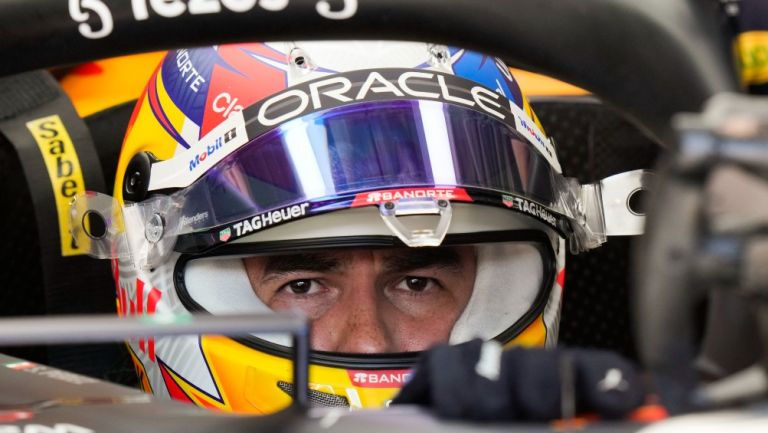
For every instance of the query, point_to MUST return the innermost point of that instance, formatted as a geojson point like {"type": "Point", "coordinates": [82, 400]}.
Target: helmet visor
{"type": "Point", "coordinates": [348, 156]}
{"type": "Point", "coordinates": [340, 152]}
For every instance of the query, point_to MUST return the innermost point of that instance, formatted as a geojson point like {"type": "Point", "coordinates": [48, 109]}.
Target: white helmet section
{"type": "Point", "coordinates": [220, 285]}
{"type": "Point", "coordinates": [508, 280]}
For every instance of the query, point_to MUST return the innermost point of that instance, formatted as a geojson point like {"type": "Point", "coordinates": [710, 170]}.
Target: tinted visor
{"type": "Point", "coordinates": [364, 147]}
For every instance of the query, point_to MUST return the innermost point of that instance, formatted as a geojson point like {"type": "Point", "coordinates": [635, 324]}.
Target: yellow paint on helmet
{"type": "Point", "coordinates": [141, 372]}
{"type": "Point", "coordinates": [146, 134]}
{"type": "Point", "coordinates": [259, 376]}
{"type": "Point", "coordinates": [174, 114]}
{"type": "Point", "coordinates": [535, 335]}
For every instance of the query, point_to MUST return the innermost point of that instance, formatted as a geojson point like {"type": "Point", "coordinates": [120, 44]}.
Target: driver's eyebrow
{"type": "Point", "coordinates": [306, 262]}
{"type": "Point", "coordinates": [409, 260]}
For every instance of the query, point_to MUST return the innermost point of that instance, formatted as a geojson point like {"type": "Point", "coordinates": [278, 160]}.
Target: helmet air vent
{"type": "Point", "coordinates": [300, 62]}
{"type": "Point", "coordinates": [136, 179]}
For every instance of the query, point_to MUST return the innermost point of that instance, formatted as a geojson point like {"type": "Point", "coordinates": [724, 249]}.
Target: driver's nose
{"type": "Point", "coordinates": [355, 324]}
{"type": "Point", "coordinates": [364, 332]}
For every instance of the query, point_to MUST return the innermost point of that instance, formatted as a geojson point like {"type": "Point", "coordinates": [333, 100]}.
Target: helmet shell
{"type": "Point", "coordinates": [191, 93]}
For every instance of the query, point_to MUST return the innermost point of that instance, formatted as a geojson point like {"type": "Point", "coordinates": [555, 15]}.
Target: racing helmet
{"type": "Point", "coordinates": [281, 152]}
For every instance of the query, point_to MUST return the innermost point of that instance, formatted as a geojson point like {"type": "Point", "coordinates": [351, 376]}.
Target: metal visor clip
{"type": "Point", "coordinates": [611, 207]}
{"type": "Point", "coordinates": [153, 227]}
{"type": "Point", "coordinates": [623, 202]}
{"type": "Point", "coordinates": [421, 222]}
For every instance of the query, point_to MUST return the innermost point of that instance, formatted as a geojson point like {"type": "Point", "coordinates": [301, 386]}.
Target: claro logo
{"type": "Point", "coordinates": [379, 378]}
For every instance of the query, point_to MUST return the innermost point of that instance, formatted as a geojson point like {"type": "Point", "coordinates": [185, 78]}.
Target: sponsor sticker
{"type": "Point", "coordinates": [226, 104]}
{"type": "Point", "coordinates": [382, 196]}
{"type": "Point", "coordinates": [187, 70]}
{"type": "Point", "coordinates": [528, 129]}
{"type": "Point", "coordinates": [530, 208]}
{"type": "Point", "coordinates": [180, 171]}
{"type": "Point", "coordinates": [374, 85]}
{"type": "Point", "coordinates": [212, 148]}
{"type": "Point", "coordinates": [266, 220]}
{"type": "Point", "coordinates": [64, 172]}
{"type": "Point", "coordinates": [193, 220]}
{"type": "Point", "coordinates": [379, 378]}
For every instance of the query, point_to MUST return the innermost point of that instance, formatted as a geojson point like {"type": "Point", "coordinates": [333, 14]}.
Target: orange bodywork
{"type": "Point", "coordinates": [541, 85]}
{"type": "Point", "coordinates": [99, 85]}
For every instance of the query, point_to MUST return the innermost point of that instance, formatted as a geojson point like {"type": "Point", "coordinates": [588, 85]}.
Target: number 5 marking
{"type": "Point", "coordinates": [349, 10]}
{"type": "Point", "coordinates": [80, 11]}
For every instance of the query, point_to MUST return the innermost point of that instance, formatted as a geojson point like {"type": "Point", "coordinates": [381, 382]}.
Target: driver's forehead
{"type": "Point", "coordinates": [387, 259]}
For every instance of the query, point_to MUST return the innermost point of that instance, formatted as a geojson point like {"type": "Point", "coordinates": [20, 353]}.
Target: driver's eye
{"type": "Point", "coordinates": [416, 284]}
{"type": "Point", "coordinates": [300, 287]}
